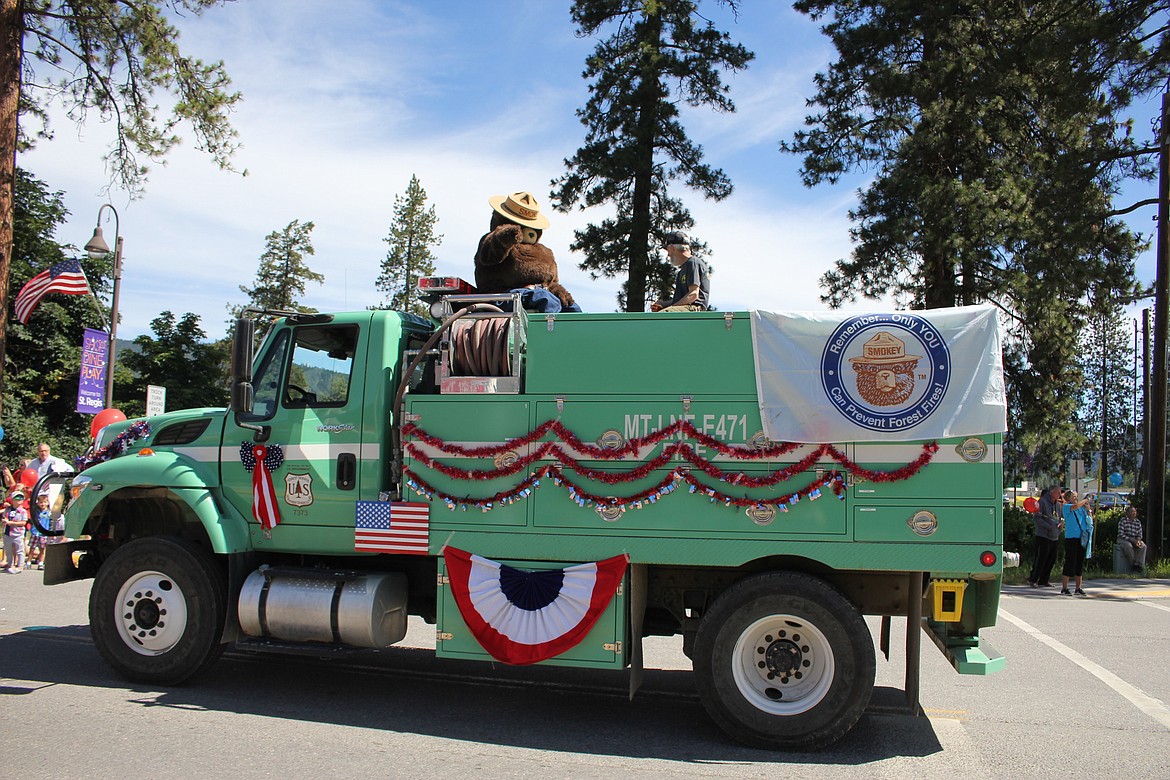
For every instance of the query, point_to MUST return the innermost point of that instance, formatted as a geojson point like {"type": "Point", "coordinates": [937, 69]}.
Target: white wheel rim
{"type": "Point", "coordinates": [150, 613]}
{"type": "Point", "coordinates": [783, 665]}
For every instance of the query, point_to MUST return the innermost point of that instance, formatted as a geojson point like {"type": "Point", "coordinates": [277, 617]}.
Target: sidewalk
{"type": "Point", "coordinates": [1144, 588]}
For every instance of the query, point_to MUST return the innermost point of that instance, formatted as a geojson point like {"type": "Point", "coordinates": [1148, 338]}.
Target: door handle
{"type": "Point", "coordinates": [346, 471]}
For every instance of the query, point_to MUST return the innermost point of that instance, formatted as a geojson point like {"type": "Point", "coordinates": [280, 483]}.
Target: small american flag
{"type": "Point", "coordinates": [392, 527]}
{"type": "Point", "coordinates": [64, 277]}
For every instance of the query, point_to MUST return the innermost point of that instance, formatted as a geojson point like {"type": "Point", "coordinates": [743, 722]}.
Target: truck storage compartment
{"type": "Point", "coordinates": [963, 468]}
{"type": "Point", "coordinates": [630, 354]}
{"type": "Point", "coordinates": [464, 423]}
{"type": "Point", "coordinates": [604, 646]}
{"type": "Point", "coordinates": [926, 522]}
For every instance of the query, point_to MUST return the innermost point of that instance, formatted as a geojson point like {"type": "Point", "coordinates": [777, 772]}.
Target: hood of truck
{"type": "Point", "coordinates": [172, 443]}
{"type": "Point", "coordinates": [166, 431]}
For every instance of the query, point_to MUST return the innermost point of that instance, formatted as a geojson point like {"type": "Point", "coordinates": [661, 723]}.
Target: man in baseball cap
{"type": "Point", "coordinates": [692, 281]}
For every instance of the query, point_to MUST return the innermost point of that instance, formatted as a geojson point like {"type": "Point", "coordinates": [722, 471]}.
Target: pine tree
{"type": "Point", "coordinates": [412, 234]}
{"type": "Point", "coordinates": [112, 58]}
{"type": "Point", "coordinates": [1107, 367]}
{"type": "Point", "coordinates": [996, 138]}
{"type": "Point", "coordinates": [283, 273]}
{"type": "Point", "coordinates": [659, 55]}
{"type": "Point", "coordinates": [178, 358]}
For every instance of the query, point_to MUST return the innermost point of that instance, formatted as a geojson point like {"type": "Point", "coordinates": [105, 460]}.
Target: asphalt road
{"type": "Point", "coordinates": [1084, 695]}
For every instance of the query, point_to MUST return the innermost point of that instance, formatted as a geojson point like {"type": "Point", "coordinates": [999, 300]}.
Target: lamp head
{"type": "Point", "coordinates": [97, 246]}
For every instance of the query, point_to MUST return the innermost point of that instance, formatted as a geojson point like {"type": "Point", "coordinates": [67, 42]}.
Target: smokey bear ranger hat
{"type": "Point", "coordinates": [521, 208]}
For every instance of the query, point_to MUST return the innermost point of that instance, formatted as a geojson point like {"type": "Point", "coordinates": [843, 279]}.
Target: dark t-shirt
{"type": "Point", "coordinates": [693, 271]}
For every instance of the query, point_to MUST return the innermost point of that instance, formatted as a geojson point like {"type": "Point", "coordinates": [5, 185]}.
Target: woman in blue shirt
{"type": "Point", "coordinates": [1078, 540]}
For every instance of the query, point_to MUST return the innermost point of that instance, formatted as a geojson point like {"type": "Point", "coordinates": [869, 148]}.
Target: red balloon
{"type": "Point", "coordinates": [1031, 504]}
{"type": "Point", "coordinates": [103, 418]}
{"type": "Point", "coordinates": [28, 477]}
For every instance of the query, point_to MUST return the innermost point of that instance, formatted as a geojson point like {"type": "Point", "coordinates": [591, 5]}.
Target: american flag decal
{"type": "Point", "coordinates": [392, 527]}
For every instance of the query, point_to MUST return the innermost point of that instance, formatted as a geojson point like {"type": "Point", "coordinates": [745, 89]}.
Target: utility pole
{"type": "Point", "coordinates": [1101, 483]}
{"type": "Point", "coordinates": [1156, 448]}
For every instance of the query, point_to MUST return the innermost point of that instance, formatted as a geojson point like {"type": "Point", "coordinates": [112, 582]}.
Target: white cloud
{"type": "Point", "coordinates": [476, 99]}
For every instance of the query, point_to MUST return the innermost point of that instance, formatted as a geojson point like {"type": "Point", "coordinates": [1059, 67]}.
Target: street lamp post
{"type": "Point", "coordinates": [97, 247]}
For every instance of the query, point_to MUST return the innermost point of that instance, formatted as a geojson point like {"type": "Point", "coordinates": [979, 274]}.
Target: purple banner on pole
{"type": "Point", "coordinates": [91, 389]}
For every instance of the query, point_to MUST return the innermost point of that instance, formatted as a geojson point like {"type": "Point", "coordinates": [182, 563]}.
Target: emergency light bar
{"type": "Point", "coordinates": [448, 285]}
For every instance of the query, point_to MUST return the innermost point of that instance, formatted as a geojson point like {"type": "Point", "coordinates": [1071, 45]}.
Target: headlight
{"type": "Point", "coordinates": [78, 486]}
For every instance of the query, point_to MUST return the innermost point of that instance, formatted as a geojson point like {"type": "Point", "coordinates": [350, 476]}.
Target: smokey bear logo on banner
{"type": "Point", "coordinates": [886, 372]}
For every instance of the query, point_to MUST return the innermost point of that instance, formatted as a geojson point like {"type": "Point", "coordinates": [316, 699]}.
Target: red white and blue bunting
{"type": "Point", "coordinates": [524, 617]}
{"type": "Point", "coordinates": [120, 444]}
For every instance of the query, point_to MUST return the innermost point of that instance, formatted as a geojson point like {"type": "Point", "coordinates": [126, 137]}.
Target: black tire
{"type": "Point", "coordinates": [811, 640]}
{"type": "Point", "coordinates": [156, 610]}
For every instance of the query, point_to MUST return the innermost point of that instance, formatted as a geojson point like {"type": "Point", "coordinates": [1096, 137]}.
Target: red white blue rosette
{"type": "Point", "coordinates": [524, 617]}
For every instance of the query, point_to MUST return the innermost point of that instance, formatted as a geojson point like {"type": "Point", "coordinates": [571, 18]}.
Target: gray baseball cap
{"type": "Point", "coordinates": [676, 237]}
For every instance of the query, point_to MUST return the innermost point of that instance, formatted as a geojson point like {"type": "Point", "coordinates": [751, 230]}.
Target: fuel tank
{"type": "Point", "coordinates": [359, 609]}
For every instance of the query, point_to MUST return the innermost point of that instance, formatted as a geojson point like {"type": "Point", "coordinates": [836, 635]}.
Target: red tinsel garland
{"type": "Point", "coordinates": [676, 449]}
{"type": "Point", "coordinates": [687, 453]}
{"type": "Point", "coordinates": [595, 452]}
{"type": "Point", "coordinates": [833, 479]}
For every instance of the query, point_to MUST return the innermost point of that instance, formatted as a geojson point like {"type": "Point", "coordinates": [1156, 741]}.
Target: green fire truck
{"type": "Point", "coordinates": [554, 488]}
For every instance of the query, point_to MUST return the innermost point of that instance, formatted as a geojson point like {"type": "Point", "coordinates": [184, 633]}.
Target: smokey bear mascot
{"type": "Point", "coordinates": [511, 258]}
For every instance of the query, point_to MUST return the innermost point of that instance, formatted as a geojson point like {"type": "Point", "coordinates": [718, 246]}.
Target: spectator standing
{"type": "Point", "coordinates": [1078, 541]}
{"type": "Point", "coordinates": [1048, 524]}
{"type": "Point", "coordinates": [1129, 539]}
{"type": "Point", "coordinates": [14, 518]}
{"type": "Point", "coordinates": [46, 461]}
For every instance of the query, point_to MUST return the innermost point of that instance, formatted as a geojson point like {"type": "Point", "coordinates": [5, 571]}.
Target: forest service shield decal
{"type": "Point", "coordinates": [298, 489]}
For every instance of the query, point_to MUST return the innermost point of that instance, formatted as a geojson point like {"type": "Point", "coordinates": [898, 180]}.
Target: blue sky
{"type": "Point", "coordinates": [344, 101]}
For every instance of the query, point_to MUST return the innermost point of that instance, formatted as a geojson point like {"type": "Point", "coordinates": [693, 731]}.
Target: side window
{"type": "Point", "coordinates": [322, 366]}
{"type": "Point", "coordinates": [266, 379]}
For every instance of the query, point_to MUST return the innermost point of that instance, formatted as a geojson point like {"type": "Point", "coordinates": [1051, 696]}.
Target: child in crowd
{"type": "Point", "coordinates": [37, 540]}
{"type": "Point", "coordinates": [14, 518]}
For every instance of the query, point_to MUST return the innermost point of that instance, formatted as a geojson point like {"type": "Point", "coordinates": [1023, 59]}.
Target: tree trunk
{"type": "Point", "coordinates": [640, 221]}
{"type": "Point", "coordinates": [10, 56]}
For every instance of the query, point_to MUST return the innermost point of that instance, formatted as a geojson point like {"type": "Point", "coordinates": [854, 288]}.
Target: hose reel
{"type": "Point", "coordinates": [480, 347]}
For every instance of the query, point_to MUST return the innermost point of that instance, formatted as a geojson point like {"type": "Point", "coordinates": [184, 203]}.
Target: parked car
{"type": "Point", "coordinates": [1110, 501]}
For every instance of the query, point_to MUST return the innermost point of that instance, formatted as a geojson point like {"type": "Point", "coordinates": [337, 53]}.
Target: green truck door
{"type": "Point", "coordinates": [309, 398]}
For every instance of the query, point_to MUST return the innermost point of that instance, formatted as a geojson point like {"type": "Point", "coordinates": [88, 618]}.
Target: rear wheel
{"type": "Point", "coordinates": [784, 661]}
{"type": "Point", "coordinates": [156, 610]}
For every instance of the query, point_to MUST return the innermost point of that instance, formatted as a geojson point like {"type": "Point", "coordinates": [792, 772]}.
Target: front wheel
{"type": "Point", "coordinates": [156, 610]}
{"type": "Point", "coordinates": [783, 660]}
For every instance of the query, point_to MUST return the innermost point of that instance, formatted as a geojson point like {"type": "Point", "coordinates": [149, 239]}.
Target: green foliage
{"type": "Point", "coordinates": [1106, 363]}
{"type": "Point", "coordinates": [995, 137]}
{"type": "Point", "coordinates": [660, 54]}
{"type": "Point", "coordinates": [41, 365]}
{"type": "Point", "coordinates": [412, 234]}
{"type": "Point", "coordinates": [111, 58]}
{"type": "Point", "coordinates": [177, 357]}
{"type": "Point", "coordinates": [1018, 534]}
{"type": "Point", "coordinates": [283, 272]}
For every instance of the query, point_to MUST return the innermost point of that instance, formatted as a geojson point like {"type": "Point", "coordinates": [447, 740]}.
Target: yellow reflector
{"type": "Point", "coordinates": [946, 600]}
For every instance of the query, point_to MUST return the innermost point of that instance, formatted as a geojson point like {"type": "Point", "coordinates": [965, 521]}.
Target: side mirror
{"type": "Point", "coordinates": [242, 356]}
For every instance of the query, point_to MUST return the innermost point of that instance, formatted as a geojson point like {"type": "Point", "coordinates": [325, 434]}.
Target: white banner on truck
{"type": "Point", "coordinates": [896, 376]}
